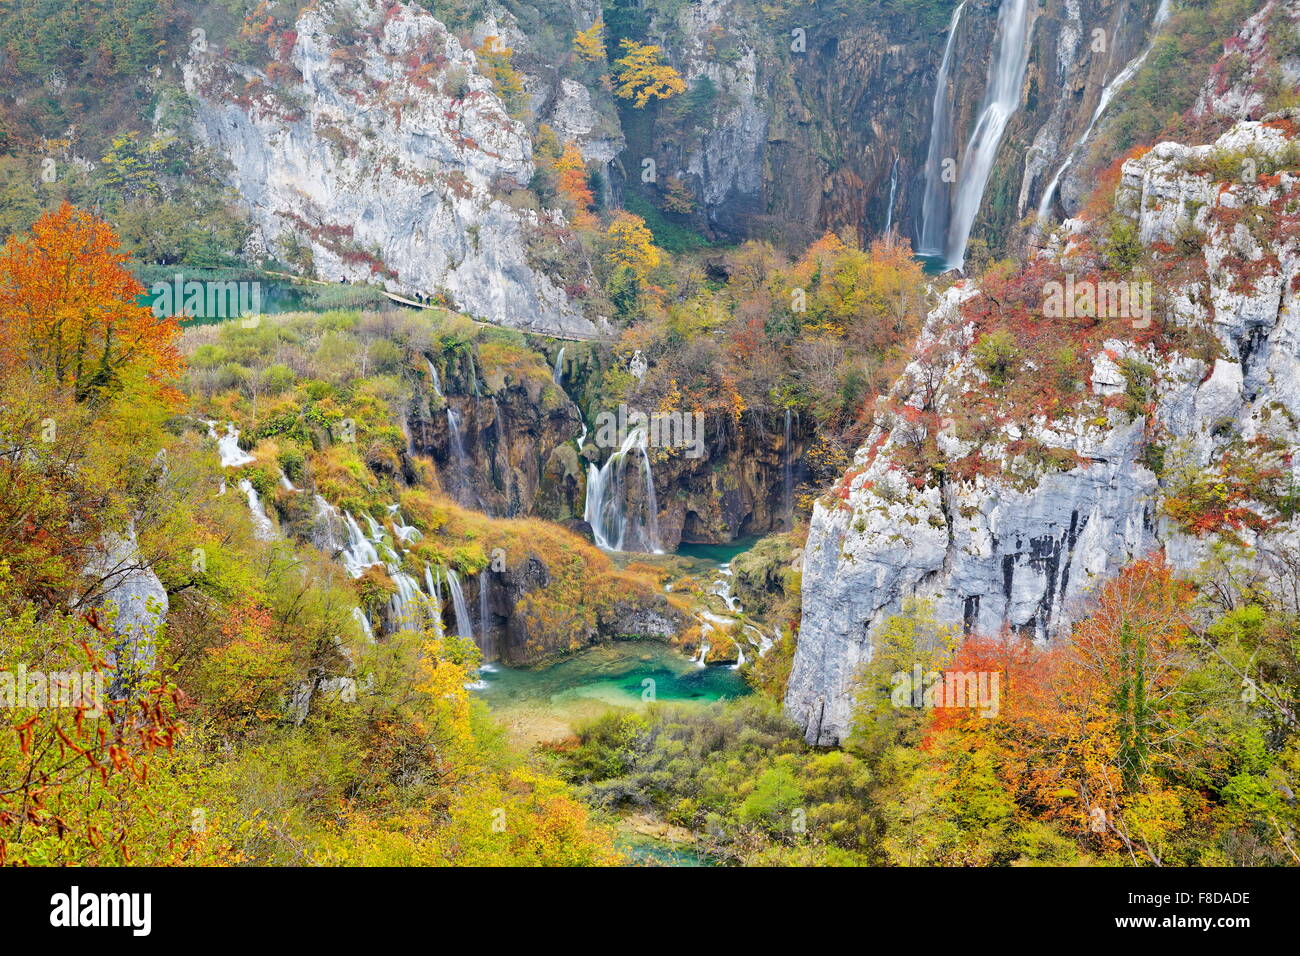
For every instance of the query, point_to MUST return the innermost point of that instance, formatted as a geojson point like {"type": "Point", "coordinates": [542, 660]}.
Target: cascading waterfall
{"type": "Point", "coordinates": [360, 552]}
{"type": "Point", "coordinates": [286, 484]}
{"type": "Point", "coordinates": [364, 623]}
{"type": "Point", "coordinates": [558, 374]}
{"type": "Point", "coordinates": [434, 584]}
{"type": "Point", "coordinates": [1001, 100]}
{"type": "Point", "coordinates": [433, 377]}
{"type": "Point", "coordinates": [263, 527]}
{"type": "Point", "coordinates": [1107, 95]}
{"type": "Point", "coordinates": [787, 470]}
{"type": "Point", "coordinates": [460, 462]}
{"type": "Point", "coordinates": [464, 628]}
{"type": "Point", "coordinates": [893, 191]}
{"type": "Point", "coordinates": [606, 509]}
{"type": "Point", "coordinates": [934, 203]}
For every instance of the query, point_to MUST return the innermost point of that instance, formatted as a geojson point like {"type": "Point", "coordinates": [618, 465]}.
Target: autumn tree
{"type": "Point", "coordinates": [589, 44]}
{"type": "Point", "coordinates": [71, 309]}
{"type": "Point", "coordinates": [641, 76]}
{"type": "Point", "coordinates": [571, 183]}
{"type": "Point", "coordinates": [632, 245]}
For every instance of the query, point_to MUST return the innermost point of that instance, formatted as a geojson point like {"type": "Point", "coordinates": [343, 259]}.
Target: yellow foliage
{"type": "Point", "coordinates": [589, 44]}
{"type": "Point", "coordinates": [641, 76]}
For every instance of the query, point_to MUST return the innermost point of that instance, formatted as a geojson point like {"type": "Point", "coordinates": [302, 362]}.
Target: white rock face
{"type": "Point", "coordinates": [135, 605]}
{"type": "Point", "coordinates": [1241, 97]}
{"type": "Point", "coordinates": [729, 163]}
{"type": "Point", "coordinates": [1006, 552]}
{"type": "Point", "coordinates": [389, 158]}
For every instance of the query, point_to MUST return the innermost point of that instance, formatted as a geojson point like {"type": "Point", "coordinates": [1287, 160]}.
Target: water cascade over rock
{"type": "Point", "coordinates": [617, 522]}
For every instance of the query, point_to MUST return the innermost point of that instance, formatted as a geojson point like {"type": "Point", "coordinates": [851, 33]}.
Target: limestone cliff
{"type": "Point", "coordinates": [1020, 547]}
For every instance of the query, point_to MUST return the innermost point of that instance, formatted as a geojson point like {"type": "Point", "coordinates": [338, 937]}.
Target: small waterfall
{"type": "Point", "coordinates": [740, 657]}
{"type": "Point", "coordinates": [557, 375]}
{"type": "Point", "coordinates": [463, 626]}
{"type": "Point", "coordinates": [327, 526]}
{"type": "Point", "coordinates": [606, 508]}
{"type": "Point", "coordinates": [705, 646]}
{"type": "Point", "coordinates": [460, 462]}
{"type": "Point", "coordinates": [263, 528]}
{"type": "Point", "coordinates": [433, 377]}
{"type": "Point", "coordinates": [360, 552]}
{"type": "Point", "coordinates": [408, 606]}
{"type": "Point", "coordinates": [1107, 94]}
{"type": "Point", "coordinates": [1001, 100]}
{"type": "Point", "coordinates": [434, 584]}
{"type": "Point", "coordinates": [286, 484]}
{"type": "Point", "coordinates": [935, 201]}
{"type": "Point", "coordinates": [893, 191]}
{"type": "Point", "coordinates": [232, 456]}
{"type": "Point", "coordinates": [364, 623]}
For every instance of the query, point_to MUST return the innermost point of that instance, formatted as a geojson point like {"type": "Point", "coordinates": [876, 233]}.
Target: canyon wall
{"type": "Point", "coordinates": [1021, 548]}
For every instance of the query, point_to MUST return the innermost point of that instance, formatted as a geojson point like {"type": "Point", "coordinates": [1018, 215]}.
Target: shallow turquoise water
{"type": "Point", "coordinates": [624, 674]}
{"type": "Point", "coordinates": [716, 553]}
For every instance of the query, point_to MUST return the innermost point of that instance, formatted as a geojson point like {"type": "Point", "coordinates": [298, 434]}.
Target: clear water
{"type": "Point", "coordinates": [716, 553]}
{"type": "Point", "coordinates": [550, 703]}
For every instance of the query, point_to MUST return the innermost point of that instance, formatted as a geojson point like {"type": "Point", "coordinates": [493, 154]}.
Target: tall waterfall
{"type": "Point", "coordinates": [558, 374]}
{"type": "Point", "coordinates": [1107, 94]}
{"type": "Point", "coordinates": [934, 204]}
{"type": "Point", "coordinates": [787, 471]}
{"type": "Point", "coordinates": [1001, 100]}
{"type": "Point", "coordinates": [460, 462]}
{"type": "Point", "coordinates": [612, 525]}
{"type": "Point", "coordinates": [485, 642]}
{"type": "Point", "coordinates": [893, 191]}
{"type": "Point", "coordinates": [433, 377]}
{"type": "Point", "coordinates": [464, 628]}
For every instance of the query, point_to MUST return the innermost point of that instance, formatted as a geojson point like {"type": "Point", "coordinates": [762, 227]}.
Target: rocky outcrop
{"type": "Point", "coordinates": [371, 149]}
{"type": "Point", "coordinates": [133, 603]}
{"type": "Point", "coordinates": [1020, 549]}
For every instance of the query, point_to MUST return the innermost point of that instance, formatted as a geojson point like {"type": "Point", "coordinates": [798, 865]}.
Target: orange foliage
{"type": "Point", "coordinates": [71, 311]}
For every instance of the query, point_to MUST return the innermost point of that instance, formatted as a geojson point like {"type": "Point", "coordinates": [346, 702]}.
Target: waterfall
{"type": "Point", "coordinates": [463, 626]}
{"type": "Point", "coordinates": [558, 374]}
{"type": "Point", "coordinates": [360, 553]}
{"type": "Point", "coordinates": [787, 470]}
{"type": "Point", "coordinates": [740, 657]}
{"type": "Point", "coordinates": [232, 456]}
{"type": "Point", "coordinates": [459, 460]}
{"type": "Point", "coordinates": [705, 647]}
{"type": "Point", "coordinates": [263, 528]}
{"type": "Point", "coordinates": [1001, 100]}
{"type": "Point", "coordinates": [606, 508]}
{"type": "Point", "coordinates": [893, 191]}
{"type": "Point", "coordinates": [286, 484]}
{"type": "Point", "coordinates": [433, 377]}
{"type": "Point", "coordinates": [434, 584]}
{"type": "Point", "coordinates": [364, 623]}
{"type": "Point", "coordinates": [326, 525]}
{"type": "Point", "coordinates": [934, 203]}
{"type": "Point", "coordinates": [486, 644]}
{"type": "Point", "coordinates": [407, 606]}
{"type": "Point", "coordinates": [1107, 94]}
